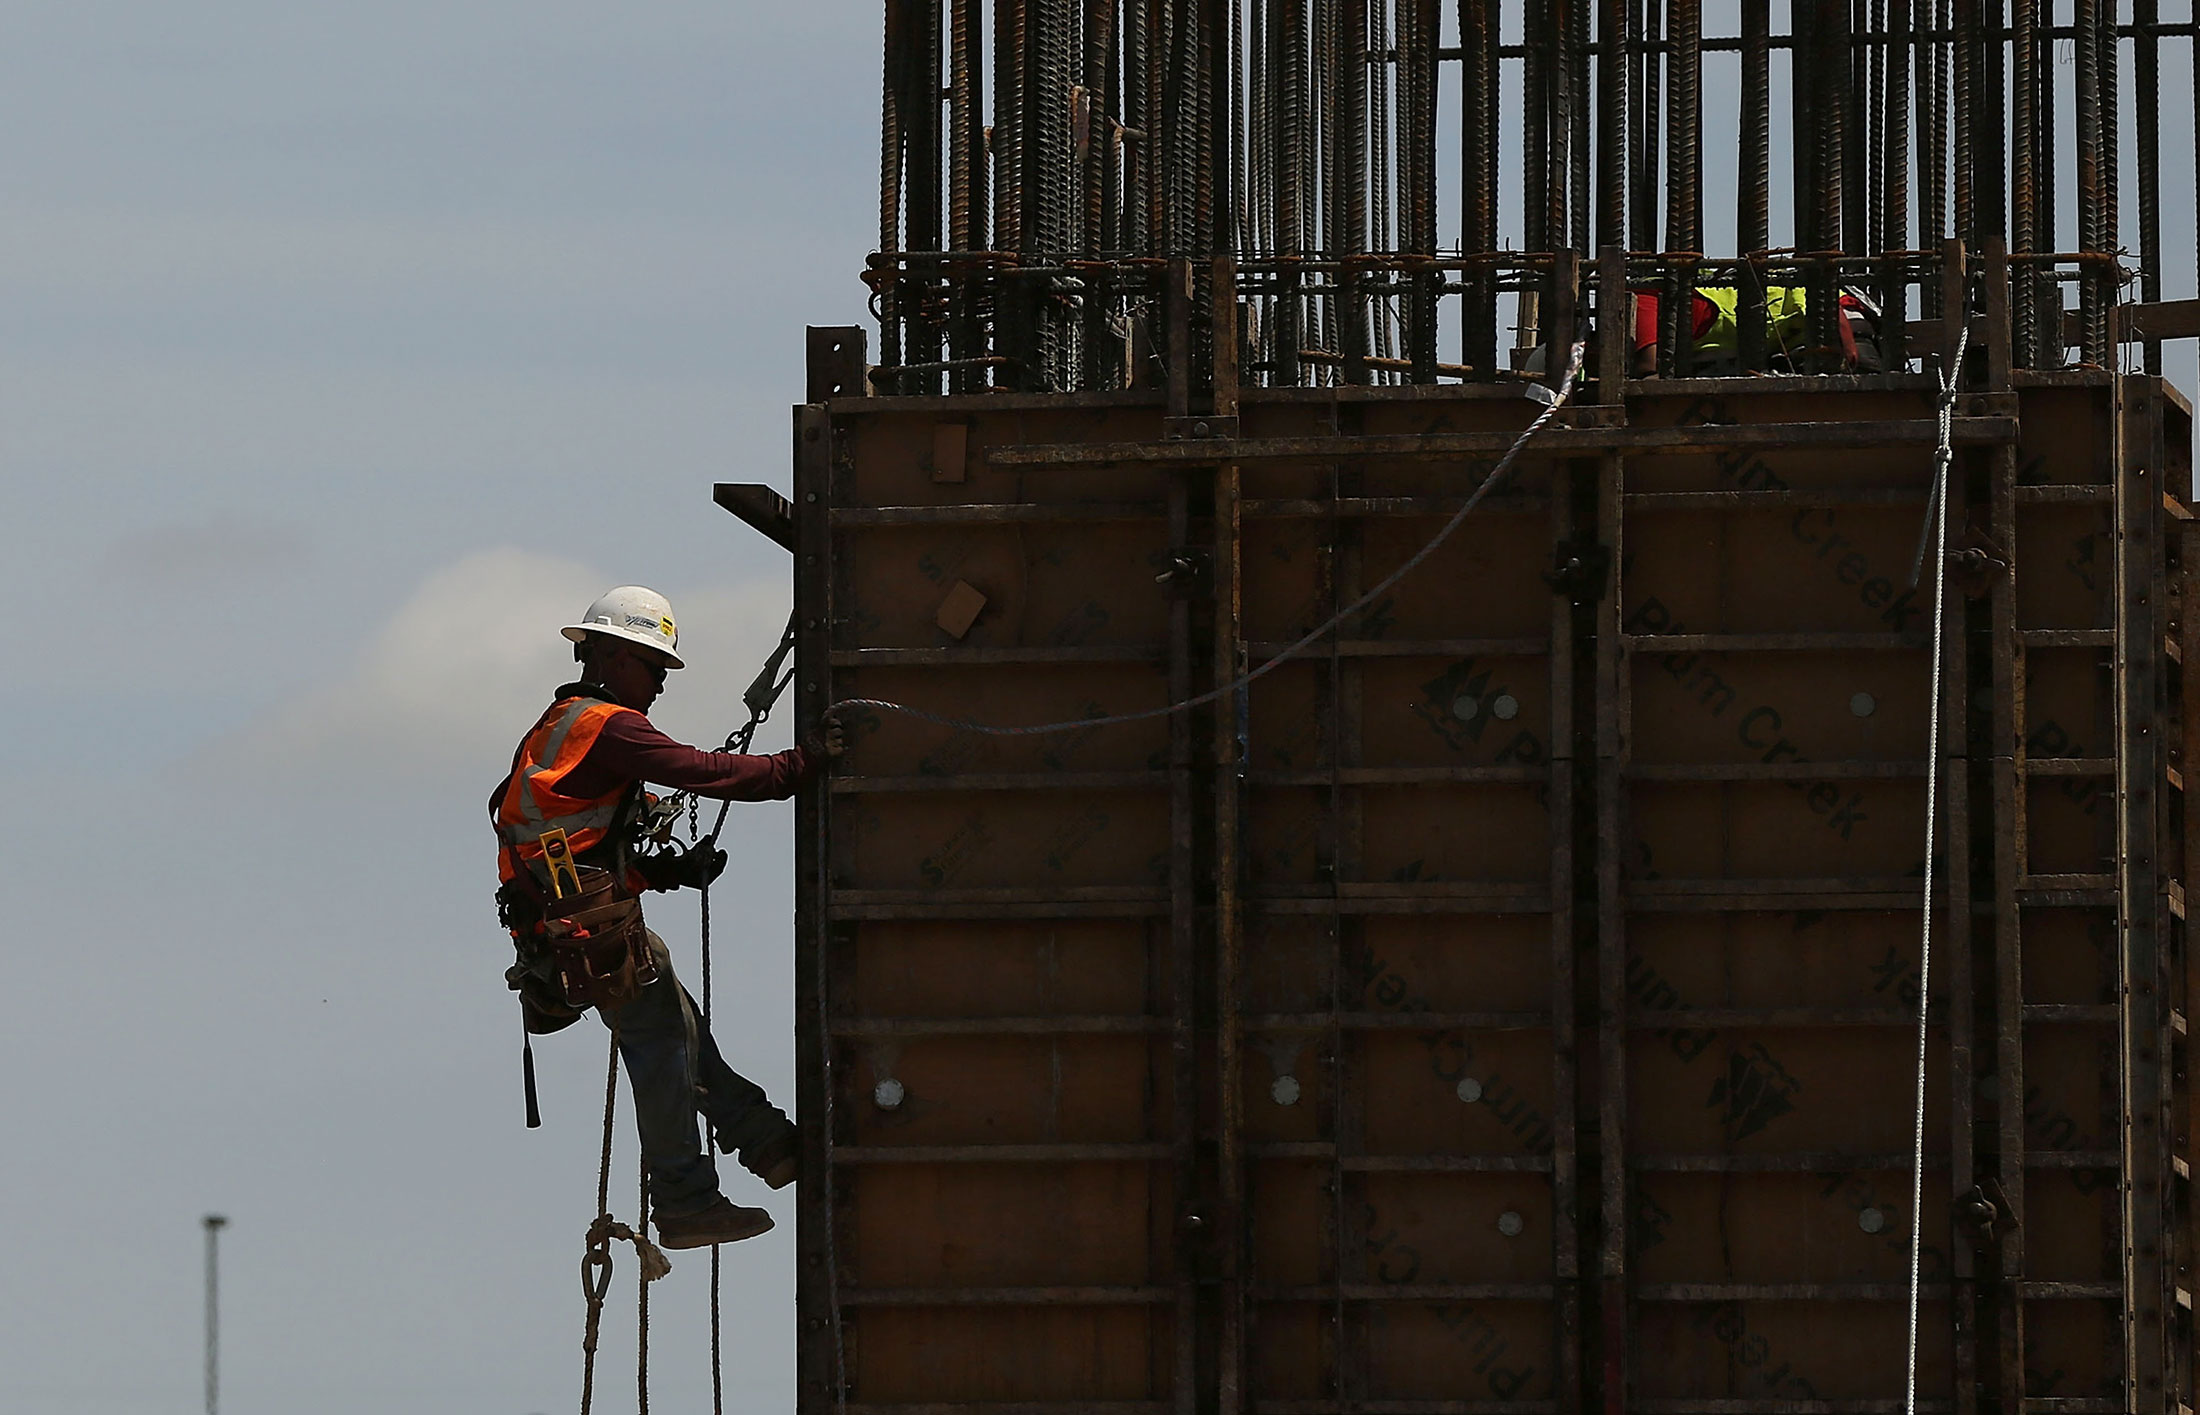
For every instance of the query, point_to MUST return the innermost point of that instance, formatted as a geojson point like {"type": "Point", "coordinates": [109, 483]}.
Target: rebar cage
{"type": "Point", "coordinates": [1397, 180]}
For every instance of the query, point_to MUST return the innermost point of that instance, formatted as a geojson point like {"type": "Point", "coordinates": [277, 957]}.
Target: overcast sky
{"type": "Point", "coordinates": [347, 349]}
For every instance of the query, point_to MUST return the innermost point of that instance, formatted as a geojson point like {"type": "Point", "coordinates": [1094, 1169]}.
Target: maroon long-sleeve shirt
{"type": "Point", "coordinates": [629, 749]}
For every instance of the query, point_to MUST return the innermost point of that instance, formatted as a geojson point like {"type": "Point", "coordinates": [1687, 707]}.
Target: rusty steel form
{"type": "Point", "coordinates": [1347, 155]}
{"type": "Point", "coordinates": [1506, 1008]}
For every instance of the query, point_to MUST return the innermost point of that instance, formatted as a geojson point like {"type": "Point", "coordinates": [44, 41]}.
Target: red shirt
{"type": "Point", "coordinates": [629, 749]}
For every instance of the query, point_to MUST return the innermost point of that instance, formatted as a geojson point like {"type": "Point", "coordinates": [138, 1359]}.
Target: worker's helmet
{"type": "Point", "coordinates": [638, 615]}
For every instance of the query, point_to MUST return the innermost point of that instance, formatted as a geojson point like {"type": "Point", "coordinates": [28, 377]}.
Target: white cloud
{"type": "Point", "coordinates": [470, 659]}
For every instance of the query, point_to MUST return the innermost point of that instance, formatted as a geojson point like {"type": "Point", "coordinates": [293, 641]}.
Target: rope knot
{"type": "Point", "coordinates": [607, 1230]}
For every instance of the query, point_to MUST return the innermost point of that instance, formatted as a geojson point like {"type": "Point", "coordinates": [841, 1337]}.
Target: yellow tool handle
{"type": "Point", "coordinates": [557, 857]}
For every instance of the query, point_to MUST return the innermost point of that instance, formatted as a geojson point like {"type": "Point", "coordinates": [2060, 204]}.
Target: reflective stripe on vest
{"type": "Point", "coordinates": [1785, 328]}
{"type": "Point", "coordinates": [533, 802]}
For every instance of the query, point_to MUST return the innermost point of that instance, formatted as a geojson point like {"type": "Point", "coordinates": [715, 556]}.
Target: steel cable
{"type": "Point", "coordinates": [1943, 455]}
{"type": "Point", "coordinates": [1497, 475]}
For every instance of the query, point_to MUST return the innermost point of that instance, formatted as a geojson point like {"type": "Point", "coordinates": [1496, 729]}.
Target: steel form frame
{"type": "Point", "coordinates": [1214, 1292]}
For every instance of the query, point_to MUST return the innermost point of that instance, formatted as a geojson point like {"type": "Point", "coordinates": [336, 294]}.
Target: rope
{"type": "Point", "coordinates": [1943, 455]}
{"type": "Point", "coordinates": [596, 1262]}
{"type": "Point", "coordinates": [717, 1359]}
{"type": "Point", "coordinates": [602, 1233]}
{"type": "Point", "coordinates": [1497, 475]}
{"type": "Point", "coordinates": [641, 1298]}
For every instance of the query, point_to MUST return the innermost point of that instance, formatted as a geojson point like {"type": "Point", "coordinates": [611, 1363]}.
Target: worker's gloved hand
{"type": "Point", "coordinates": [700, 865]}
{"type": "Point", "coordinates": [672, 869]}
{"type": "Point", "coordinates": [829, 739]}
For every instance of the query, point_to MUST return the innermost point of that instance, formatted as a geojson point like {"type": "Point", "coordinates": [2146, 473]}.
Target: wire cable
{"type": "Point", "coordinates": [1942, 456]}
{"type": "Point", "coordinates": [1497, 475]}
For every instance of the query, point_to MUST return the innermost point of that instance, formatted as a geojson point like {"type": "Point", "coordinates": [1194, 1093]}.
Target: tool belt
{"type": "Point", "coordinates": [598, 945]}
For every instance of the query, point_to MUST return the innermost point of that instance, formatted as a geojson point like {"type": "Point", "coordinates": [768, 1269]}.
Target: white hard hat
{"type": "Point", "coordinates": [638, 615]}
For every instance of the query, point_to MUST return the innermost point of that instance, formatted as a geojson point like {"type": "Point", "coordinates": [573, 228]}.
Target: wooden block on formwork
{"type": "Point", "coordinates": [960, 609]}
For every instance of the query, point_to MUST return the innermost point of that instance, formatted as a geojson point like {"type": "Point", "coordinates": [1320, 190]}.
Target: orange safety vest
{"type": "Point", "coordinates": [533, 802]}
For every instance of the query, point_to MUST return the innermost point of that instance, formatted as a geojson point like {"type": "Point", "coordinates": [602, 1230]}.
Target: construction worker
{"type": "Point", "coordinates": [1714, 330]}
{"type": "Point", "coordinates": [567, 816]}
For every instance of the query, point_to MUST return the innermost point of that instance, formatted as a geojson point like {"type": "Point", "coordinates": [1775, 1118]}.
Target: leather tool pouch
{"type": "Point", "coordinates": [598, 943]}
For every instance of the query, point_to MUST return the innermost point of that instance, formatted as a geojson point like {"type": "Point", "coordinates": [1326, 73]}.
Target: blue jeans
{"type": "Point", "coordinates": [675, 1072]}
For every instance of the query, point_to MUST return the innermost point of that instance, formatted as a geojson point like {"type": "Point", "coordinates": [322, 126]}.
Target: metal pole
{"type": "Point", "coordinates": [214, 1224]}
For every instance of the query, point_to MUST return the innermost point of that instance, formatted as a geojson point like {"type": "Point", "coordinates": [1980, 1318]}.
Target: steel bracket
{"type": "Point", "coordinates": [1581, 569]}
{"type": "Point", "coordinates": [1189, 573]}
{"type": "Point", "coordinates": [1987, 1212]}
{"type": "Point", "coordinates": [837, 362]}
{"type": "Point", "coordinates": [1977, 562]}
{"type": "Point", "coordinates": [1200, 428]}
{"type": "Point", "coordinates": [760, 508]}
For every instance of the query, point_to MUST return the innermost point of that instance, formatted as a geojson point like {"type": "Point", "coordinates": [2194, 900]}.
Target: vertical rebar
{"type": "Point", "coordinates": [1234, 89]}
{"type": "Point", "coordinates": [2023, 139]}
{"type": "Point", "coordinates": [965, 158]}
{"type": "Point", "coordinates": [1829, 111]}
{"type": "Point", "coordinates": [1210, 184]}
{"type": "Point", "coordinates": [1856, 138]}
{"type": "Point", "coordinates": [889, 179]}
{"type": "Point", "coordinates": [1642, 184]}
{"type": "Point", "coordinates": [1478, 42]}
{"type": "Point", "coordinates": [1421, 58]}
{"type": "Point", "coordinates": [2092, 235]}
{"type": "Point", "coordinates": [1963, 47]}
{"type": "Point", "coordinates": [1684, 166]}
{"type": "Point", "coordinates": [1577, 148]}
{"type": "Point", "coordinates": [1990, 124]}
{"type": "Point", "coordinates": [1379, 79]}
{"type": "Point", "coordinates": [921, 116]}
{"type": "Point", "coordinates": [213, 1224]}
{"type": "Point", "coordinates": [1894, 294]}
{"type": "Point", "coordinates": [1753, 211]}
{"type": "Point", "coordinates": [1286, 61]}
{"type": "Point", "coordinates": [1875, 124]}
{"type": "Point", "coordinates": [2045, 236]}
{"type": "Point", "coordinates": [1138, 121]}
{"type": "Point", "coordinates": [1932, 140]}
{"type": "Point", "coordinates": [2111, 159]}
{"type": "Point", "coordinates": [1090, 119]}
{"type": "Point", "coordinates": [1158, 127]}
{"type": "Point", "coordinates": [1535, 110]}
{"type": "Point", "coordinates": [1352, 181]}
{"type": "Point", "coordinates": [1613, 64]}
{"type": "Point", "coordinates": [2148, 111]}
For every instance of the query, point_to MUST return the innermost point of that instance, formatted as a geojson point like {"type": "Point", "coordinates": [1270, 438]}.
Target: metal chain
{"type": "Point", "coordinates": [1943, 456]}
{"type": "Point", "coordinates": [1489, 483]}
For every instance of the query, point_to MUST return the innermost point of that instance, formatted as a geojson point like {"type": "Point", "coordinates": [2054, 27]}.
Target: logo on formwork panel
{"type": "Point", "coordinates": [1755, 1091]}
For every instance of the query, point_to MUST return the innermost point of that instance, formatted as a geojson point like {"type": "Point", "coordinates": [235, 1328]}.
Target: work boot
{"type": "Point", "coordinates": [721, 1221]}
{"type": "Point", "coordinates": [778, 1161]}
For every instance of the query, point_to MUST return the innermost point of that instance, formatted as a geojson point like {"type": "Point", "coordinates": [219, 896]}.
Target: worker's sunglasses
{"type": "Point", "coordinates": [656, 668]}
